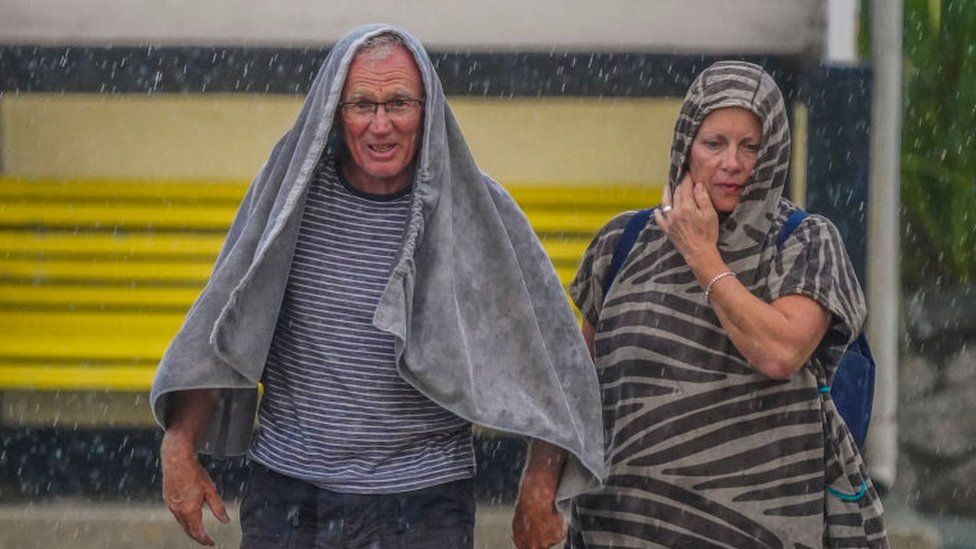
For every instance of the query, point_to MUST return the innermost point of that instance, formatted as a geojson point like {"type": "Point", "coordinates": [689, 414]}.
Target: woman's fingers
{"type": "Point", "coordinates": [672, 202]}
{"type": "Point", "coordinates": [702, 199]}
{"type": "Point", "coordinates": [707, 209]}
{"type": "Point", "coordinates": [662, 221]}
{"type": "Point", "coordinates": [683, 196]}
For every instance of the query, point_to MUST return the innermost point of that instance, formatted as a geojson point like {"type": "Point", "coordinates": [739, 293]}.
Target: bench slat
{"type": "Point", "coordinates": [115, 327]}
{"type": "Point", "coordinates": [80, 348]}
{"type": "Point", "coordinates": [146, 278]}
{"type": "Point", "coordinates": [125, 217]}
{"type": "Point", "coordinates": [120, 190]}
{"type": "Point", "coordinates": [162, 244]}
{"type": "Point", "coordinates": [174, 246]}
{"type": "Point", "coordinates": [78, 272]}
{"type": "Point", "coordinates": [28, 376]}
{"type": "Point", "coordinates": [117, 216]}
{"type": "Point", "coordinates": [52, 297]}
{"type": "Point", "coordinates": [614, 197]}
{"type": "Point", "coordinates": [138, 272]}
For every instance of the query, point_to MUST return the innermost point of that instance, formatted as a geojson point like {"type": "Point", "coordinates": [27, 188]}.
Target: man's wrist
{"type": "Point", "coordinates": [179, 444]}
{"type": "Point", "coordinates": [537, 493]}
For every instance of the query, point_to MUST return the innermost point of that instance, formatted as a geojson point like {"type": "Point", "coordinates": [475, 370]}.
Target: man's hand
{"type": "Point", "coordinates": [186, 486]}
{"type": "Point", "coordinates": [537, 523]}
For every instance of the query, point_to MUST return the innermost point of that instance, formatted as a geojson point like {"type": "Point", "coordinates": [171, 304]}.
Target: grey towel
{"type": "Point", "coordinates": [481, 323]}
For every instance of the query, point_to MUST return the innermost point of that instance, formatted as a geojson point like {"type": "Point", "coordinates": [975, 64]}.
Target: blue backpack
{"type": "Point", "coordinates": [852, 388]}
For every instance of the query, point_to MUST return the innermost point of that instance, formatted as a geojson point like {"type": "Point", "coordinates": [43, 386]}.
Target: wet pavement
{"type": "Point", "coordinates": [79, 524]}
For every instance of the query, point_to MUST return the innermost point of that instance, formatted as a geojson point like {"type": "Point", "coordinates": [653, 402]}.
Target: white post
{"type": "Point", "coordinates": [842, 18]}
{"type": "Point", "coordinates": [884, 284]}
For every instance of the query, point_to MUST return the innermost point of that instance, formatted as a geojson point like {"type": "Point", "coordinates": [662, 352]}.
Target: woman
{"type": "Point", "coordinates": [711, 345]}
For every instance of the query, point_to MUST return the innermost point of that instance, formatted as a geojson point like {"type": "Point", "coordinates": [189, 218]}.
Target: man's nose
{"type": "Point", "coordinates": [381, 120]}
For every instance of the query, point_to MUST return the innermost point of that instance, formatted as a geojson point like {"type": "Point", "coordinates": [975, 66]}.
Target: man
{"type": "Point", "coordinates": [388, 295]}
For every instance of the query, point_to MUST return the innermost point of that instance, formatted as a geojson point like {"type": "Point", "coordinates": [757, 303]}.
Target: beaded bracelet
{"type": "Point", "coordinates": [716, 278]}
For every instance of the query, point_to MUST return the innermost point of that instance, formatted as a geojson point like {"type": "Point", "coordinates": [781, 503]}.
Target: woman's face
{"type": "Point", "coordinates": [724, 153]}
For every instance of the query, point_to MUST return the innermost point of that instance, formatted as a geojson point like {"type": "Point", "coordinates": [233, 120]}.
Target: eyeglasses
{"type": "Point", "coordinates": [394, 108]}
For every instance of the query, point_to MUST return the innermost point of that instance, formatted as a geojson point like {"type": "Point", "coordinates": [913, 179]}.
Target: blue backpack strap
{"type": "Point", "coordinates": [792, 222]}
{"type": "Point", "coordinates": [624, 245]}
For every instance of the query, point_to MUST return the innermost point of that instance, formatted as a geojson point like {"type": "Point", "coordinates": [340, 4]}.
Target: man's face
{"type": "Point", "coordinates": [382, 147]}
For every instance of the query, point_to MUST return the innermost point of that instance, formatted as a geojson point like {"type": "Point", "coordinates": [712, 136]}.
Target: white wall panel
{"type": "Point", "coordinates": [670, 26]}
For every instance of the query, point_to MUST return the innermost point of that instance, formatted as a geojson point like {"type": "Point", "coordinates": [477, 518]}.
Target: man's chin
{"type": "Point", "coordinates": [386, 175]}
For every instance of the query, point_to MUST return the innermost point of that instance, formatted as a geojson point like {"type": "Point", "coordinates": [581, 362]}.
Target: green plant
{"type": "Point", "coordinates": [939, 142]}
{"type": "Point", "coordinates": [938, 177]}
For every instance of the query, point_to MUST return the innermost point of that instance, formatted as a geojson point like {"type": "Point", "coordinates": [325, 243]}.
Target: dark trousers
{"type": "Point", "coordinates": [282, 512]}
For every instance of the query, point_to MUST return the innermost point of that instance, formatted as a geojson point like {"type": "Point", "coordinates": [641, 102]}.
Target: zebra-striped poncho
{"type": "Point", "coordinates": [702, 449]}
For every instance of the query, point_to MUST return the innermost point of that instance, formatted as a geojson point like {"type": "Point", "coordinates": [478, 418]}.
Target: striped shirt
{"type": "Point", "coordinates": [335, 412]}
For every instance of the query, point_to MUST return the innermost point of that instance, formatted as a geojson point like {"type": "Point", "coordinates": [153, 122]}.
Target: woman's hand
{"type": "Point", "coordinates": [691, 223]}
{"type": "Point", "coordinates": [776, 338]}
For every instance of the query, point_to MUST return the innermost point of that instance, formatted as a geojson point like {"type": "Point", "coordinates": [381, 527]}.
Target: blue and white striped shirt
{"type": "Point", "coordinates": [335, 412]}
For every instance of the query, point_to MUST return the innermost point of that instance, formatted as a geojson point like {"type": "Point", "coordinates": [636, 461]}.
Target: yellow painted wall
{"type": "Point", "coordinates": [562, 141]}
{"type": "Point", "coordinates": [141, 137]}
{"type": "Point", "coordinates": [227, 137]}
{"type": "Point", "coordinates": [570, 140]}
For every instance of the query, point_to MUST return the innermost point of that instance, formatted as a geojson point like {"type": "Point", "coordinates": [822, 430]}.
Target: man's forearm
{"type": "Point", "coordinates": [187, 416]}
{"type": "Point", "coordinates": [537, 523]}
{"type": "Point", "coordinates": [543, 467]}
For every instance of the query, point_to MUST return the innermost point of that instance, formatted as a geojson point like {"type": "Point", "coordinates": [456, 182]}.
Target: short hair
{"type": "Point", "coordinates": [381, 45]}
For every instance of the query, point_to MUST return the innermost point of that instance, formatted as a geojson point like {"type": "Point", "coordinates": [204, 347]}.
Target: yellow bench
{"type": "Point", "coordinates": [95, 276]}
